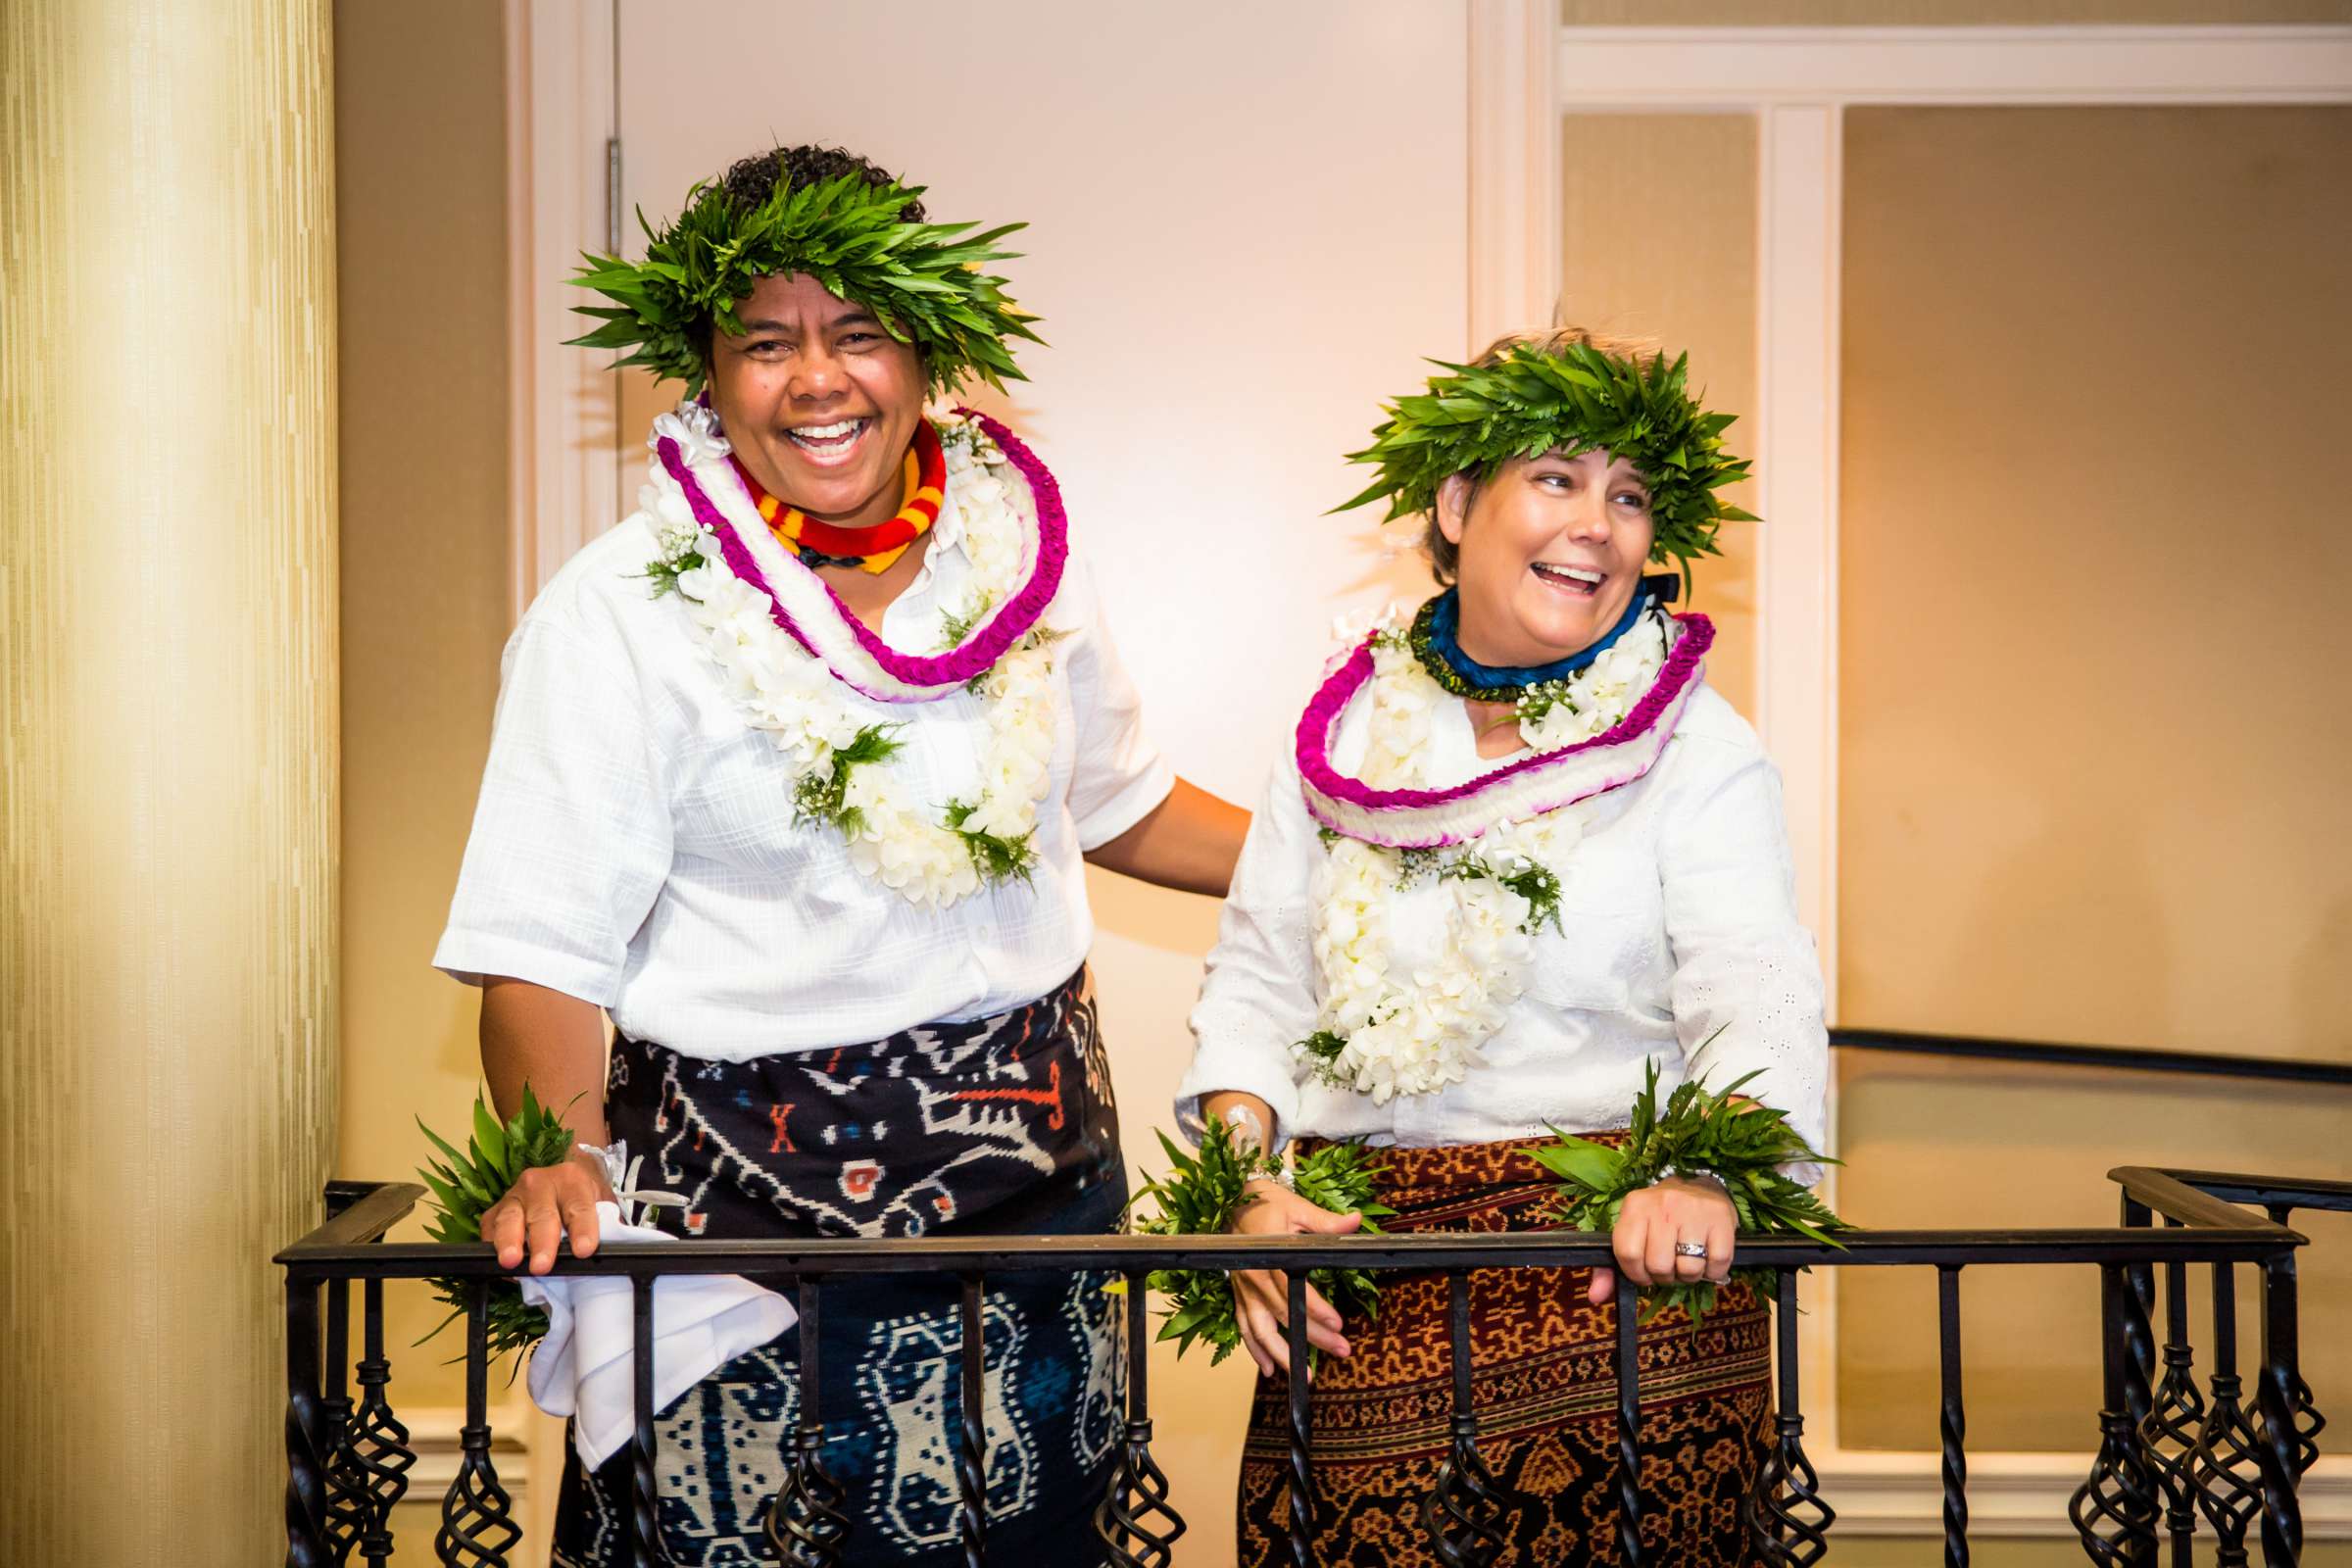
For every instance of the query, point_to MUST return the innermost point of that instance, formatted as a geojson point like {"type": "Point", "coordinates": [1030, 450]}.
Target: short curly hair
{"type": "Point", "coordinates": [750, 182]}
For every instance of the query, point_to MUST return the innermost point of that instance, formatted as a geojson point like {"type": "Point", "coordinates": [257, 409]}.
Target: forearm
{"type": "Point", "coordinates": [1219, 1106]}
{"type": "Point", "coordinates": [552, 1041]}
{"type": "Point", "coordinates": [1189, 842]}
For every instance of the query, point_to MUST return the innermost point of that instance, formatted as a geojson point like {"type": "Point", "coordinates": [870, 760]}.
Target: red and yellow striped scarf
{"type": "Point", "coordinates": [875, 549]}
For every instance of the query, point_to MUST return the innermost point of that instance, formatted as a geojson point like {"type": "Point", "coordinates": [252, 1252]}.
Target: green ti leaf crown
{"type": "Point", "coordinates": [1531, 398]}
{"type": "Point", "coordinates": [923, 281]}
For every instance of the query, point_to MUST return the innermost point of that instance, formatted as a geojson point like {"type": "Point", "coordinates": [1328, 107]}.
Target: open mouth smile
{"type": "Point", "coordinates": [830, 443]}
{"type": "Point", "coordinates": [1581, 581]}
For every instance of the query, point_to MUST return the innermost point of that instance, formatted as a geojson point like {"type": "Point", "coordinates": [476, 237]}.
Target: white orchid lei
{"type": "Point", "coordinates": [1387, 1031]}
{"type": "Point", "coordinates": [836, 756]}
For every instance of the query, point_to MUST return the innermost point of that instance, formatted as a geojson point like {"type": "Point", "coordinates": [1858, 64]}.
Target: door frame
{"type": "Point", "coordinates": [1797, 83]}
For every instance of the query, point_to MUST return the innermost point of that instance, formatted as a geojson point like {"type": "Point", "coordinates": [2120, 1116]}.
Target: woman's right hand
{"type": "Point", "coordinates": [1261, 1296]}
{"type": "Point", "coordinates": [545, 1202]}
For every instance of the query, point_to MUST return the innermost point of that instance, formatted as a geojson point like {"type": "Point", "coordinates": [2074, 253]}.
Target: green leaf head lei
{"type": "Point", "coordinates": [927, 284]}
{"type": "Point", "coordinates": [1563, 391]}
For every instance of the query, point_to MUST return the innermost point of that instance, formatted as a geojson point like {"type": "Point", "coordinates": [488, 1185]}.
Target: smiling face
{"type": "Point", "coordinates": [1551, 549]}
{"type": "Point", "coordinates": [818, 400]}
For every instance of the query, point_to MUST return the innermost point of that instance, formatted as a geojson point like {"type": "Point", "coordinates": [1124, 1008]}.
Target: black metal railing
{"type": "Point", "coordinates": [2170, 1454]}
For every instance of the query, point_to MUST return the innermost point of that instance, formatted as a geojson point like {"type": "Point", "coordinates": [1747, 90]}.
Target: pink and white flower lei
{"type": "Point", "coordinates": [785, 644]}
{"type": "Point", "coordinates": [1414, 1033]}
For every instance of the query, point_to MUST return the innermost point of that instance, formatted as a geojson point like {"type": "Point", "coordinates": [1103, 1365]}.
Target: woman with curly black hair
{"type": "Point", "coordinates": [793, 775]}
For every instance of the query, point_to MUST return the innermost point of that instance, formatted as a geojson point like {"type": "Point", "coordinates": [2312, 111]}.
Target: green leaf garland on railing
{"type": "Point", "coordinates": [464, 1186]}
{"type": "Point", "coordinates": [1203, 1197]}
{"type": "Point", "coordinates": [1739, 1143]}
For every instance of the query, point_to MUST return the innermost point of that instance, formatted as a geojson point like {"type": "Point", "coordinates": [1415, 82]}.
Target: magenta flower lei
{"type": "Point", "coordinates": [1657, 712]}
{"type": "Point", "coordinates": [939, 672]}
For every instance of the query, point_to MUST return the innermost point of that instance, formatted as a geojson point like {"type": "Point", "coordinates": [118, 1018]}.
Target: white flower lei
{"type": "Point", "coordinates": [834, 753]}
{"type": "Point", "coordinates": [1384, 1033]}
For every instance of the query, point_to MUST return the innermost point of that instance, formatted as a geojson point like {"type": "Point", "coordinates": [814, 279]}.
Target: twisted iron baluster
{"type": "Point", "coordinates": [2308, 1423]}
{"type": "Point", "coordinates": [1629, 1423]}
{"type": "Point", "coordinates": [1134, 1518]}
{"type": "Point", "coordinates": [1464, 1514]}
{"type": "Point", "coordinates": [2222, 1467]}
{"type": "Point", "coordinates": [971, 1453]}
{"type": "Point", "coordinates": [2139, 1371]}
{"type": "Point", "coordinates": [2114, 1510]}
{"type": "Point", "coordinates": [378, 1442]}
{"type": "Point", "coordinates": [346, 1482]}
{"type": "Point", "coordinates": [305, 1431]}
{"type": "Point", "coordinates": [2169, 1429]}
{"type": "Point", "coordinates": [1954, 1421]}
{"type": "Point", "coordinates": [477, 1523]}
{"type": "Point", "coordinates": [807, 1524]}
{"type": "Point", "coordinates": [1302, 1478]}
{"type": "Point", "coordinates": [2278, 1453]}
{"type": "Point", "coordinates": [1787, 1516]}
{"type": "Point", "coordinates": [645, 1488]}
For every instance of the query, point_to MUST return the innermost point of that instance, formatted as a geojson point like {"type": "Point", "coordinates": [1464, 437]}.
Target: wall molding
{"type": "Point", "coordinates": [1741, 69]}
{"type": "Point", "coordinates": [563, 403]}
{"type": "Point", "coordinates": [1878, 1496]}
{"type": "Point", "coordinates": [433, 1434]}
{"type": "Point", "coordinates": [1514, 175]}
{"type": "Point", "coordinates": [2016, 1495]}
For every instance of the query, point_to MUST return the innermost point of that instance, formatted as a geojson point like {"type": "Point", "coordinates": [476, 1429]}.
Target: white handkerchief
{"type": "Point", "coordinates": [584, 1367]}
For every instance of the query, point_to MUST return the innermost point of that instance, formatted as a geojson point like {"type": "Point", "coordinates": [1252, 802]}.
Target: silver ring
{"type": "Point", "coordinates": [1689, 1249]}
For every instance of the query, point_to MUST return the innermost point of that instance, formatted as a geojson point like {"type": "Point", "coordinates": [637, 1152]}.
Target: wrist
{"type": "Point", "coordinates": [1273, 1175]}
{"type": "Point", "coordinates": [1246, 1126]}
{"type": "Point", "coordinates": [601, 1161]}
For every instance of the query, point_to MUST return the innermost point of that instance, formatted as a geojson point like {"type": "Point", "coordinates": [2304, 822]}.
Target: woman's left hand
{"type": "Point", "coordinates": [1678, 1210]}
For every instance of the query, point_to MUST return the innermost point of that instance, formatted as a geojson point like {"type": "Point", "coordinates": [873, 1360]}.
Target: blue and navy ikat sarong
{"type": "Point", "coordinates": [999, 1126]}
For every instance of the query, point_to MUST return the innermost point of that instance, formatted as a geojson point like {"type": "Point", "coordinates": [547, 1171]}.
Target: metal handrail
{"type": "Point", "coordinates": [822, 1257]}
{"type": "Point", "coordinates": [2155, 1468]}
{"type": "Point", "coordinates": [2273, 1193]}
{"type": "Point", "coordinates": [2211, 1229]}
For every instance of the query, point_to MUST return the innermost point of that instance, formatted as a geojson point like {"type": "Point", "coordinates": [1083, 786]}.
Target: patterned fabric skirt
{"type": "Point", "coordinates": [1544, 1387]}
{"type": "Point", "coordinates": [1000, 1126]}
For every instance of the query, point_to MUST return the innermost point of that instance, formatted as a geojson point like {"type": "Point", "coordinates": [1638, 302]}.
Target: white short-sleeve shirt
{"type": "Point", "coordinates": [635, 844]}
{"type": "Point", "coordinates": [1679, 944]}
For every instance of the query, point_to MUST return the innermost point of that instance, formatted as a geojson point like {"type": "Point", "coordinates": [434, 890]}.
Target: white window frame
{"type": "Point", "coordinates": [1527, 72]}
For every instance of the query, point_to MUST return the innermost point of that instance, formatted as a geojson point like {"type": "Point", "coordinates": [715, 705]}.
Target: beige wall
{"type": "Point", "coordinates": [1215, 352]}
{"type": "Point", "coordinates": [2092, 736]}
{"type": "Point", "coordinates": [1202, 383]}
{"type": "Point", "coordinates": [1230, 286]}
{"type": "Point", "coordinates": [1683, 272]}
{"type": "Point", "coordinates": [421, 172]}
{"type": "Point", "coordinates": [168, 878]}
{"type": "Point", "coordinates": [1942, 13]}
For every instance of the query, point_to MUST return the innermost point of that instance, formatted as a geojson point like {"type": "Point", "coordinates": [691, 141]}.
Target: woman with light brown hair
{"type": "Point", "coordinates": [1522, 858]}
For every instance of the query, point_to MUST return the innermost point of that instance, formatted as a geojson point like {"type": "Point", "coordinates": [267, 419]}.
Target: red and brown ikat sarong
{"type": "Point", "coordinates": [1544, 1387]}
